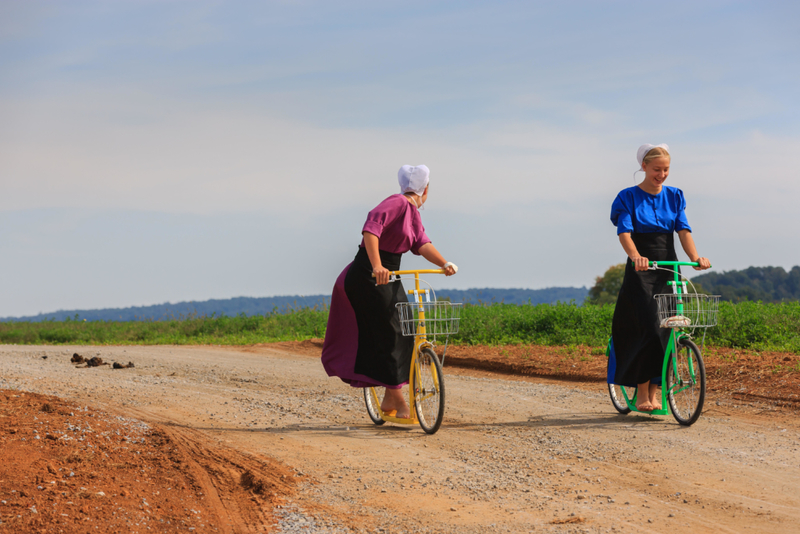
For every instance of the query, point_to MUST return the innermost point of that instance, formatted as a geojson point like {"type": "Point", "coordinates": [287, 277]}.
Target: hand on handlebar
{"type": "Point", "coordinates": [641, 263]}
{"type": "Point", "coordinates": [450, 268]}
{"type": "Point", "coordinates": [704, 264]}
{"type": "Point", "coordinates": [381, 274]}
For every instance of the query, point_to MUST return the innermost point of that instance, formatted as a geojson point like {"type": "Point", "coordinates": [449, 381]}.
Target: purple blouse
{"type": "Point", "coordinates": [398, 226]}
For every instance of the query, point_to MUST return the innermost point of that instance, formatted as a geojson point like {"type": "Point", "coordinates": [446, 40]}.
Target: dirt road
{"type": "Point", "coordinates": [512, 455]}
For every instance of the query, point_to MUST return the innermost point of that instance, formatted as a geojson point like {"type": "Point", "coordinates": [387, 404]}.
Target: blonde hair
{"type": "Point", "coordinates": [654, 153]}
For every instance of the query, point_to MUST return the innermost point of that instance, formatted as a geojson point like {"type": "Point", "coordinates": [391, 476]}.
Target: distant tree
{"type": "Point", "coordinates": [606, 287]}
{"type": "Point", "coordinates": [768, 284]}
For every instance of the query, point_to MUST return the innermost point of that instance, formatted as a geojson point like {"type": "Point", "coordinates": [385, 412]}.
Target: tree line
{"type": "Point", "coordinates": [765, 284]}
{"type": "Point", "coordinates": [252, 306]}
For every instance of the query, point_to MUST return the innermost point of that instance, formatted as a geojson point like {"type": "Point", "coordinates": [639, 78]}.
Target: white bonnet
{"type": "Point", "coordinates": [644, 149]}
{"type": "Point", "coordinates": [413, 179]}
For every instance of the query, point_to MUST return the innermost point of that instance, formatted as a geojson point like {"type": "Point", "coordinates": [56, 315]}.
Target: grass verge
{"type": "Point", "coordinates": [746, 325]}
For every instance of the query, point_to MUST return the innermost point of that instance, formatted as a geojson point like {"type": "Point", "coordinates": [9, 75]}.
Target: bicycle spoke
{"type": "Point", "coordinates": [686, 382]}
{"type": "Point", "coordinates": [428, 391]}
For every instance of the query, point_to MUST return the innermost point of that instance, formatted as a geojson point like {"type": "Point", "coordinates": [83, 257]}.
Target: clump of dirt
{"type": "Point", "coordinates": [118, 365]}
{"type": "Point", "coordinates": [569, 520]}
{"type": "Point", "coordinates": [251, 481]}
{"type": "Point", "coordinates": [94, 361]}
{"type": "Point", "coordinates": [73, 469]}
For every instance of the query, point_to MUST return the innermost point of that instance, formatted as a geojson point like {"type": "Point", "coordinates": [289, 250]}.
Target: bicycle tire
{"type": "Point", "coordinates": [617, 398]}
{"type": "Point", "coordinates": [686, 394]}
{"type": "Point", "coordinates": [616, 392]}
{"type": "Point", "coordinates": [428, 390]}
{"type": "Point", "coordinates": [373, 411]}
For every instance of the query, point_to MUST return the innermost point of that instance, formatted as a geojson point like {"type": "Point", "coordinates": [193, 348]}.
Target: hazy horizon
{"type": "Point", "coordinates": [312, 300]}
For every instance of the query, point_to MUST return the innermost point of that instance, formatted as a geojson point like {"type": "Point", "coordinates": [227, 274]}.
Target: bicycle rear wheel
{"type": "Point", "coordinates": [372, 398]}
{"type": "Point", "coordinates": [618, 395]}
{"type": "Point", "coordinates": [686, 382]}
{"type": "Point", "coordinates": [427, 387]}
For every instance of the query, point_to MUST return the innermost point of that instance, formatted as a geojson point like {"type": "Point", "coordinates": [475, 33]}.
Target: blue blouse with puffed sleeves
{"type": "Point", "coordinates": [635, 210]}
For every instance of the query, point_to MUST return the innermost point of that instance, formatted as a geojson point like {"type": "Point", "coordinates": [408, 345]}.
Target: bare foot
{"type": "Point", "coordinates": [655, 397]}
{"type": "Point", "coordinates": [393, 400]}
{"type": "Point", "coordinates": [656, 404]}
{"type": "Point", "coordinates": [400, 413]}
{"type": "Point", "coordinates": [643, 397]}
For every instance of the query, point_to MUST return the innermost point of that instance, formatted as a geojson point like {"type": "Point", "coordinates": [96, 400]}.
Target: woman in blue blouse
{"type": "Point", "coordinates": [646, 216]}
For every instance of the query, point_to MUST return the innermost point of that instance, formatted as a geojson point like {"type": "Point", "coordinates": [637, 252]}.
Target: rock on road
{"type": "Point", "coordinates": [511, 456]}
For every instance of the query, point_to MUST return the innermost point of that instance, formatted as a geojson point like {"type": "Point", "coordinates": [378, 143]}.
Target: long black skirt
{"type": "Point", "coordinates": [638, 342]}
{"type": "Point", "coordinates": [383, 354]}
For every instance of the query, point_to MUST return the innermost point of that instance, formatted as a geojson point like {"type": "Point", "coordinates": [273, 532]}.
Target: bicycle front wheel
{"type": "Point", "coordinates": [686, 382]}
{"type": "Point", "coordinates": [372, 399]}
{"type": "Point", "coordinates": [618, 395]}
{"type": "Point", "coordinates": [428, 390]}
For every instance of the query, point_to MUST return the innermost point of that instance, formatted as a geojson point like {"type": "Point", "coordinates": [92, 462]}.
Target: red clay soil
{"type": "Point", "coordinates": [772, 377]}
{"type": "Point", "coordinates": [68, 468]}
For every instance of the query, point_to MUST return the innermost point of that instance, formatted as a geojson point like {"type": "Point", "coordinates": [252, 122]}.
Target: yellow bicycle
{"type": "Point", "coordinates": [425, 318]}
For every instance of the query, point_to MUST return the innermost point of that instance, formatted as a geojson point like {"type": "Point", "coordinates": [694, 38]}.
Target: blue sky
{"type": "Point", "coordinates": [176, 150]}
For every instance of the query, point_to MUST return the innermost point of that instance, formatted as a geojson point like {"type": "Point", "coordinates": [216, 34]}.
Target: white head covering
{"type": "Point", "coordinates": [413, 179]}
{"type": "Point", "coordinates": [644, 149]}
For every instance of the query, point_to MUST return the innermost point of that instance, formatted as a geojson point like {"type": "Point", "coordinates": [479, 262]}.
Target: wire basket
{"type": "Point", "coordinates": [441, 317]}
{"type": "Point", "coordinates": [690, 310]}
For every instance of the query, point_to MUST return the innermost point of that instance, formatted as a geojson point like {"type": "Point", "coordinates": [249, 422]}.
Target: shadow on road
{"type": "Point", "coordinates": [622, 423]}
{"type": "Point", "coordinates": [368, 431]}
{"type": "Point", "coordinates": [589, 421]}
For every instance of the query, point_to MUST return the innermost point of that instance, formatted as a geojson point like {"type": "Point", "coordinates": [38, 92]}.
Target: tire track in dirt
{"type": "Point", "coordinates": [241, 489]}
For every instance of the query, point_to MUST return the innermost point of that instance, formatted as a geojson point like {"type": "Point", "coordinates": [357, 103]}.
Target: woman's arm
{"type": "Point", "coordinates": [371, 244]}
{"type": "Point", "coordinates": [687, 242]}
{"type": "Point", "coordinates": [429, 252]}
{"type": "Point", "coordinates": [629, 246]}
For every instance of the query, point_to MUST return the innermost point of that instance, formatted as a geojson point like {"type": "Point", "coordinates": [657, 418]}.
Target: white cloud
{"type": "Point", "coordinates": [133, 151]}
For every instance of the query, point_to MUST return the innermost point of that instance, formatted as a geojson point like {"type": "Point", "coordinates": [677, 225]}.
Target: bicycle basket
{"type": "Point", "coordinates": [441, 317]}
{"type": "Point", "coordinates": [690, 310]}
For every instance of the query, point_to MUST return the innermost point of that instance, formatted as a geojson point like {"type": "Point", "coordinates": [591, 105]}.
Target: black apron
{"type": "Point", "coordinates": [638, 341]}
{"type": "Point", "coordinates": [384, 354]}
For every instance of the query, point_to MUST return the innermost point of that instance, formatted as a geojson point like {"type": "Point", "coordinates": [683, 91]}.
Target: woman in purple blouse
{"type": "Point", "coordinates": [364, 345]}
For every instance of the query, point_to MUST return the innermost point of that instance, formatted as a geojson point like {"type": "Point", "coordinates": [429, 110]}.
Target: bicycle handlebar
{"type": "Point", "coordinates": [671, 263]}
{"type": "Point", "coordinates": [415, 271]}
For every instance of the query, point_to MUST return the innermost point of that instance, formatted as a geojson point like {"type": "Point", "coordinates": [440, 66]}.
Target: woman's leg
{"type": "Point", "coordinates": [643, 397]}
{"type": "Point", "coordinates": [655, 397]}
{"type": "Point", "coordinates": [393, 399]}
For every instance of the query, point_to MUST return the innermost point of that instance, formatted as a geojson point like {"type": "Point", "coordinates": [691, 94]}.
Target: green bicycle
{"type": "Point", "coordinates": [683, 375]}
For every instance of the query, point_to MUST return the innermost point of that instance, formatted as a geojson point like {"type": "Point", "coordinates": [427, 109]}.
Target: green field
{"type": "Point", "coordinates": [746, 325]}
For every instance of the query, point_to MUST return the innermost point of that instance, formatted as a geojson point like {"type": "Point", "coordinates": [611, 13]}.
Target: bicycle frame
{"type": "Point", "coordinates": [679, 288]}
{"type": "Point", "coordinates": [420, 342]}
